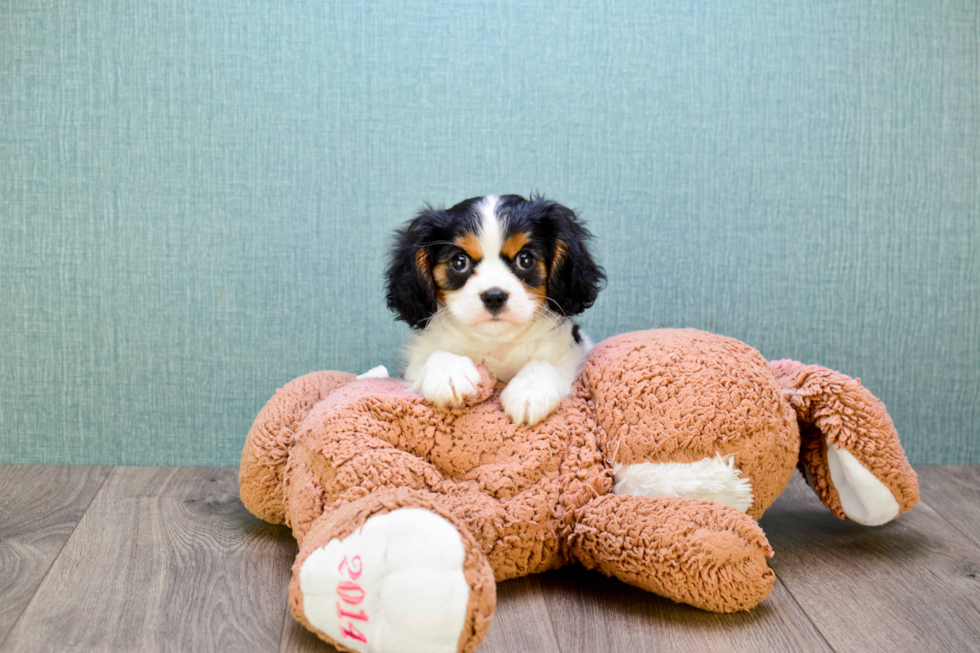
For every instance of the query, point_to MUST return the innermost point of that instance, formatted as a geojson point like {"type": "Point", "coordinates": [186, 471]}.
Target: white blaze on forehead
{"type": "Point", "coordinates": [492, 271]}
{"type": "Point", "coordinates": [491, 238]}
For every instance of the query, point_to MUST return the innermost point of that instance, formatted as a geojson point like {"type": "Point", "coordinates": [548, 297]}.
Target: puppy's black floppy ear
{"type": "Point", "coordinates": [574, 278]}
{"type": "Point", "coordinates": [411, 293]}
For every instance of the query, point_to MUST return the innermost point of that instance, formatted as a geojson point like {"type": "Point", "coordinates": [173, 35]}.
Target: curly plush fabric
{"type": "Point", "coordinates": [682, 395]}
{"type": "Point", "coordinates": [330, 452]}
{"type": "Point", "coordinates": [697, 552]}
{"type": "Point", "coordinates": [271, 436]}
{"type": "Point", "coordinates": [837, 411]}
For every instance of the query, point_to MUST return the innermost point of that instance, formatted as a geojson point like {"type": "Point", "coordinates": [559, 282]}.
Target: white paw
{"type": "Point", "coordinates": [447, 379]}
{"type": "Point", "coordinates": [395, 584]}
{"type": "Point", "coordinates": [533, 394]}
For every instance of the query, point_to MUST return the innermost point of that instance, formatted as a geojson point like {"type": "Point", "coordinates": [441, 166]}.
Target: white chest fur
{"type": "Point", "coordinates": [504, 349]}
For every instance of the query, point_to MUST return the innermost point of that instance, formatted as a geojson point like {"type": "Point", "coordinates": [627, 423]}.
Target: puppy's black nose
{"type": "Point", "coordinates": [494, 299]}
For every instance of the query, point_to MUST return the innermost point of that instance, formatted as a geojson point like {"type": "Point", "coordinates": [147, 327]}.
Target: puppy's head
{"type": "Point", "coordinates": [492, 263]}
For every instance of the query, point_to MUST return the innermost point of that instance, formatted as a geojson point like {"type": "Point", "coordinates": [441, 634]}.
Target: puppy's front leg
{"type": "Point", "coordinates": [445, 379]}
{"type": "Point", "coordinates": [536, 391]}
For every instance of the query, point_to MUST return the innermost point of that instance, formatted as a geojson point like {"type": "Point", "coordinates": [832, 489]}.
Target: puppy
{"type": "Point", "coordinates": [494, 279]}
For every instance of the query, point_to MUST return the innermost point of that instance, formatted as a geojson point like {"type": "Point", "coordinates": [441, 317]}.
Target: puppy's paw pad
{"type": "Point", "coordinates": [528, 401]}
{"type": "Point", "coordinates": [448, 379]}
{"type": "Point", "coordinates": [395, 584]}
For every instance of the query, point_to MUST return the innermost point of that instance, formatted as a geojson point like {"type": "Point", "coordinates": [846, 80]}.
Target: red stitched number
{"type": "Point", "coordinates": [351, 594]}
{"type": "Point", "coordinates": [353, 633]}
{"type": "Point", "coordinates": [353, 615]}
{"type": "Point", "coordinates": [353, 567]}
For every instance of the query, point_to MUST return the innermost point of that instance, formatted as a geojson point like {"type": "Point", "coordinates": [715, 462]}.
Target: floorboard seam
{"type": "Point", "coordinates": [285, 621]}
{"type": "Point", "coordinates": [803, 610]}
{"type": "Point", "coordinates": [47, 571]}
{"type": "Point", "coordinates": [954, 526]}
{"type": "Point", "coordinates": [551, 616]}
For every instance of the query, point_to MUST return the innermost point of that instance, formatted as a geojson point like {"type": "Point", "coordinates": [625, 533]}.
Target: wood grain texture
{"type": "Point", "coordinates": [954, 492]}
{"type": "Point", "coordinates": [910, 585]}
{"type": "Point", "coordinates": [573, 610]}
{"type": "Point", "coordinates": [39, 509]}
{"type": "Point", "coordinates": [168, 559]}
{"type": "Point", "coordinates": [522, 620]}
{"type": "Point", "coordinates": [296, 639]}
{"type": "Point", "coordinates": [591, 612]}
{"type": "Point", "coordinates": [164, 559]}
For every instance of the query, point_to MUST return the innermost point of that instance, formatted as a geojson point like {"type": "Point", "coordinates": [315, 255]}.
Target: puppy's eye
{"type": "Point", "coordinates": [461, 263]}
{"type": "Point", "coordinates": [524, 261]}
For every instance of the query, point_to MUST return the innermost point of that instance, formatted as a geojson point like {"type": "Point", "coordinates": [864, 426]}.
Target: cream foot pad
{"type": "Point", "coordinates": [863, 497]}
{"type": "Point", "coordinates": [395, 584]}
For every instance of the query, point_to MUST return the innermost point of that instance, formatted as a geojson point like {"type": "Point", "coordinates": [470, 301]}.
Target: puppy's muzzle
{"type": "Point", "coordinates": [494, 299]}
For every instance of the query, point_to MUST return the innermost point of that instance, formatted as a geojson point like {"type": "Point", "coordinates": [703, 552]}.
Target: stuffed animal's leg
{"type": "Point", "coordinates": [698, 552]}
{"type": "Point", "coordinates": [393, 571]}
{"type": "Point", "coordinates": [327, 476]}
{"type": "Point", "coordinates": [345, 467]}
{"type": "Point", "coordinates": [849, 450]}
{"type": "Point", "coordinates": [271, 436]}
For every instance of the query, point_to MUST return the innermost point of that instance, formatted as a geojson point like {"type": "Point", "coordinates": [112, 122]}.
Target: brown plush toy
{"type": "Point", "coordinates": [654, 470]}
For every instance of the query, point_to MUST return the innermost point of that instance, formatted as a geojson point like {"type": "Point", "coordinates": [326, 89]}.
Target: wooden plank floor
{"type": "Point", "coordinates": [134, 559]}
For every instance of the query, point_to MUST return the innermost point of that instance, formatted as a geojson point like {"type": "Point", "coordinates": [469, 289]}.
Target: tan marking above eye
{"type": "Point", "coordinates": [471, 245]}
{"type": "Point", "coordinates": [513, 245]}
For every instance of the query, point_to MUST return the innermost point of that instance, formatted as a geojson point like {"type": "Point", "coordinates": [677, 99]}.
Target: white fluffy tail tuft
{"type": "Point", "coordinates": [712, 479]}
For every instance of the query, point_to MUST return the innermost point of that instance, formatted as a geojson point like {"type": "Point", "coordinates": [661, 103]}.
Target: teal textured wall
{"type": "Point", "coordinates": [194, 194]}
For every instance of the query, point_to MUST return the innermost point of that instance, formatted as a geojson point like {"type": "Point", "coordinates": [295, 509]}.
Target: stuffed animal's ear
{"type": "Point", "coordinates": [849, 450]}
{"type": "Point", "coordinates": [574, 278]}
{"type": "Point", "coordinates": [411, 293]}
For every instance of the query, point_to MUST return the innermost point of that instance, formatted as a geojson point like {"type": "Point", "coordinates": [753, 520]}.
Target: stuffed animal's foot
{"type": "Point", "coordinates": [697, 552]}
{"type": "Point", "coordinates": [863, 498]}
{"type": "Point", "coordinates": [396, 583]}
{"type": "Point", "coordinates": [403, 580]}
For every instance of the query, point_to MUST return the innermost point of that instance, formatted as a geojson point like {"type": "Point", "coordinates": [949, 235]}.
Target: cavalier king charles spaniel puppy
{"type": "Point", "coordinates": [494, 279]}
